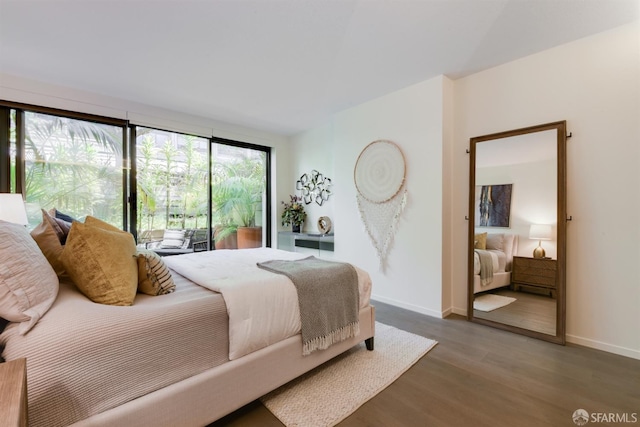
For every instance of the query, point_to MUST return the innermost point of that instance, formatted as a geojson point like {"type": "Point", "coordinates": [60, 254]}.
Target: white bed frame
{"type": "Point", "coordinates": [206, 397]}
{"type": "Point", "coordinates": [499, 279]}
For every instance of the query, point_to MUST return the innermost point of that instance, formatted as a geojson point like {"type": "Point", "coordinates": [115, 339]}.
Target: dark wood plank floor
{"type": "Point", "coordinates": [528, 311]}
{"type": "Point", "coordinates": [481, 376]}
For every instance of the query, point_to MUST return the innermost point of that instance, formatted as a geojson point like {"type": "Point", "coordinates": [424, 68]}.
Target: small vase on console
{"type": "Point", "coordinates": [296, 228]}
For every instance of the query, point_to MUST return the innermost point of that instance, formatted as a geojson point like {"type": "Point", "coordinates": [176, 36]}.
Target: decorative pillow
{"type": "Point", "coordinates": [28, 284]}
{"type": "Point", "coordinates": [154, 277]}
{"type": "Point", "coordinates": [480, 241]}
{"type": "Point", "coordinates": [61, 226]}
{"type": "Point", "coordinates": [173, 239]}
{"type": "Point", "coordinates": [57, 214]}
{"type": "Point", "coordinates": [102, 263]}
{"type": "Point", "coordinates": [95, 222]}
{"type": "Point", "coordinates": [495, 241]}
{"type": "Point", "coordinates": [54, 225]}
{"type": "Point", "coordinates": [47, 237]}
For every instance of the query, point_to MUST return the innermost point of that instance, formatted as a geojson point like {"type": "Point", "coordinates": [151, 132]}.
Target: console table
{"type": "Point", "coordinates": [320, 245]}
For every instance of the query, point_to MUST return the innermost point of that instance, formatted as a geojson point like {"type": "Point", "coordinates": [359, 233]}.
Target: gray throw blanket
{"type": "Point", "coordinates": [486, 267]}
{"type": "Point", "coordinates": [328, 298]}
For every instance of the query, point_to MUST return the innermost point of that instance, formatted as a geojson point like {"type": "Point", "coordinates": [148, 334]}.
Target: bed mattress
{"type": "Point", "coordinates": [70, 355]}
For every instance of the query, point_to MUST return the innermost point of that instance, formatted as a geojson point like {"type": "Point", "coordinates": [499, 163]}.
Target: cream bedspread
{"type": "Point", "coordinates": [84, 358]}
{"type": "Point", "coordinates": [262, 306]}
{"type": "Point", "coordinates": [498, 258]}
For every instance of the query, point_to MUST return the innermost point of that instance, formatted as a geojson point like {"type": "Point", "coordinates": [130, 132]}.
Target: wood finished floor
{"type": "Point", "coordinates": [481, 376]}
{"type": "Point", "coordinates": [528, 311]}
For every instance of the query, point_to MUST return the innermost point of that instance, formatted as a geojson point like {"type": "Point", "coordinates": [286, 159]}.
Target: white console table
{"type": "Point", "coordinates": [320, 245]}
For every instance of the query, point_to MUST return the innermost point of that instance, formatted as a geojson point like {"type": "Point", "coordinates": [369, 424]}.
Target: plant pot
{"type": "Point", "coordinates": [296, 228]}
{"type": "Point", "coordinates": [249, 237]}
{"type": "Point", "coordinates": [228, 242]}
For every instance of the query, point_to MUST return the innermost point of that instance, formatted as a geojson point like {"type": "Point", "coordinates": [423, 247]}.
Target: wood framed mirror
{"type": "Point", "coordinates": [517, 231]}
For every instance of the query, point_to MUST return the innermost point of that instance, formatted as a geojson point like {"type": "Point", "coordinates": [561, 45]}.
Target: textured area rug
{"type": "Point", "coordinates": [333, 391]}
{"type": "Point", "coordinates": [490, 302]}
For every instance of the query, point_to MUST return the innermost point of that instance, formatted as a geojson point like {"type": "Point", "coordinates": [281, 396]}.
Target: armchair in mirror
{"type": "Point", "coordinates": [517, 231]}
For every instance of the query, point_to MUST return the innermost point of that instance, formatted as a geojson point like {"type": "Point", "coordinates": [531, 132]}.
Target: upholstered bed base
{"type": "Point", "coordinates": [499, 280]}
{"type": "Point", "coordinates": [206, 397]}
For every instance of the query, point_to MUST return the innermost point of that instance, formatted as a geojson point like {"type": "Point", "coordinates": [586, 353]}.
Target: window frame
{"type": "Point", "coordinates": [129, 176]}
{"type": "Point", "coordinates": [267, 167]}
{"type": "Point", "coordinates": [21, 109]}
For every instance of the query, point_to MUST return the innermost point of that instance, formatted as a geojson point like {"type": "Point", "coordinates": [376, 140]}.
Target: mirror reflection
{"type": "Point", "coordinates": [515, 213]}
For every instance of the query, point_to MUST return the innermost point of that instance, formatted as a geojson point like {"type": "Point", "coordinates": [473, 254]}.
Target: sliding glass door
{"type": "Point", "coordinates": [239, 195]}
{"type": "Point", "coordinates": [172, 171]}
{"type": "Point", "coordinates": [175, 192]}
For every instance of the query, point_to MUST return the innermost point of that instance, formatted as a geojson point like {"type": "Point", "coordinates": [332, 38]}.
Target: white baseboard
{"type": "Point", "coordinates": [416, 308]}
{"type": "Point", "coordinates": [599, 345]}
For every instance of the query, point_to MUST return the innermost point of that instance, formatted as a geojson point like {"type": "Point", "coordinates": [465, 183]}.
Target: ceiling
{"type": "Point", "coordinates": [280, 66]}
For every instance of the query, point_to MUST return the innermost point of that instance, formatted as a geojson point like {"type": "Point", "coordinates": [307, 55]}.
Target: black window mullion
{"type": "Point", "coordinates": [5, 154]}
{"type": "Point", "coordinates": [210, 242]}
{"type": "Point", "coordinates": [125, 180]}
{"type": "Point", "coordinates": [133, 183]}
{"type": "Point", "coordinates": [268, 194]}
{"type": "Point", "coordinates": [20, 144]}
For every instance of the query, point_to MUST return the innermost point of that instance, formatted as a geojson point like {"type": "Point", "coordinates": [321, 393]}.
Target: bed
{"type": "Point", "coordinates": [166, 359]}
{"type": "Point", "coordinates": [498, 249]}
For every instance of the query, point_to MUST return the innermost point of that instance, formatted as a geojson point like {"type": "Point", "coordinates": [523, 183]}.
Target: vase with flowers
{"type": "Point", "coordinates": [294, 213]}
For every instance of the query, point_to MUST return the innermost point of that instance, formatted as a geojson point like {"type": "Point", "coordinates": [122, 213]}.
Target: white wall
{"type": "Point", "coordinates": [316, 153]}
{"type": "Point", "coordinates": [412, 118]}
{"type": "Point", "coordinates": [594, 84]}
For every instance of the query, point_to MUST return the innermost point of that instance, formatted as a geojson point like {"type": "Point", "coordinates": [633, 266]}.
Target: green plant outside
{"type": "Point", "coordinates": [237, 192]}
{"type": "Point", "coordinates": [72, 165]}
{"type": "Point", "coordinates": [76, 166]}
{"type": "Point", "coordinates": [172, 180]}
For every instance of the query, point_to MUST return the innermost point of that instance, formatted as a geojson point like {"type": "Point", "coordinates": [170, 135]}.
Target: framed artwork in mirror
{"type": "Point", "coordinates": [493, 205]}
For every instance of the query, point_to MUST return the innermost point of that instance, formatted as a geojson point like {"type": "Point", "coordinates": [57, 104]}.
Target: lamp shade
{"type": "Point", "coordinates": [12, 208]}
{"type": "Point", "coordinates": [540, 232]}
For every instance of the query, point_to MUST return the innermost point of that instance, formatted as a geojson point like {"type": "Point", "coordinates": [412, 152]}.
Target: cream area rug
{"type": "Point", "coordinates": [331, 392]}
{"type": "Point", "coordinates": [490, 302]}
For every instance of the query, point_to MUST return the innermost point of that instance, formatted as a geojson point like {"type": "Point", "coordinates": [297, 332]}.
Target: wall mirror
{"type": "Point", "coordinates": [517, 231]}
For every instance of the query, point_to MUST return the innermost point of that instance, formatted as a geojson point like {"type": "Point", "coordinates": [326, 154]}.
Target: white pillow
{"type": "Point", "coordinates": [495, 241]}
{"type": "Point", "coordinates": [28, 283]}
{"type": "Point", "coordinates": [172, 239]}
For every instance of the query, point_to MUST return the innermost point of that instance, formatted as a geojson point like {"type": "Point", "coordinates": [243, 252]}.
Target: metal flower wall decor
{"type": "Point", "coordinates": [315, 187]}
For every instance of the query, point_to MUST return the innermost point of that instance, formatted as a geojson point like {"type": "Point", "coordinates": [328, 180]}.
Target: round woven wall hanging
{"type": "Point", "coordinates": [379, 176]}
{"type": "Point", "coordinates": [380, 171]}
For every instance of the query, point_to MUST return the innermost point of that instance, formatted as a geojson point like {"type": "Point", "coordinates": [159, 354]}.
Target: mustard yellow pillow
{"type": "Point", "coordinates": [48, 239]}
{"type": "Point", "coordinates": [480, 241]}
{"type": "Point", "coordinates": [102, 263]}
{"type": "Point", "coordinates": [95, 222]}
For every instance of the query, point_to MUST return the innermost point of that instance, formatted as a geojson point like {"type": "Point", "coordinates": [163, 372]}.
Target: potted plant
{"type": "Point", "coordinates": [294, 213]}
{"type": "Point", "coordinates": [236, 199]}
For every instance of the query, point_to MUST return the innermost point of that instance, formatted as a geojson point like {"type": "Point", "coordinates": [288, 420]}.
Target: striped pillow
{"type": "Point", "coordinates": [154, 277]}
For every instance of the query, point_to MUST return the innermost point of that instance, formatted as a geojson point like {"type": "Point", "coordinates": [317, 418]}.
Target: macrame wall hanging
{"type": "Point", "coordinates": [379, 176]}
